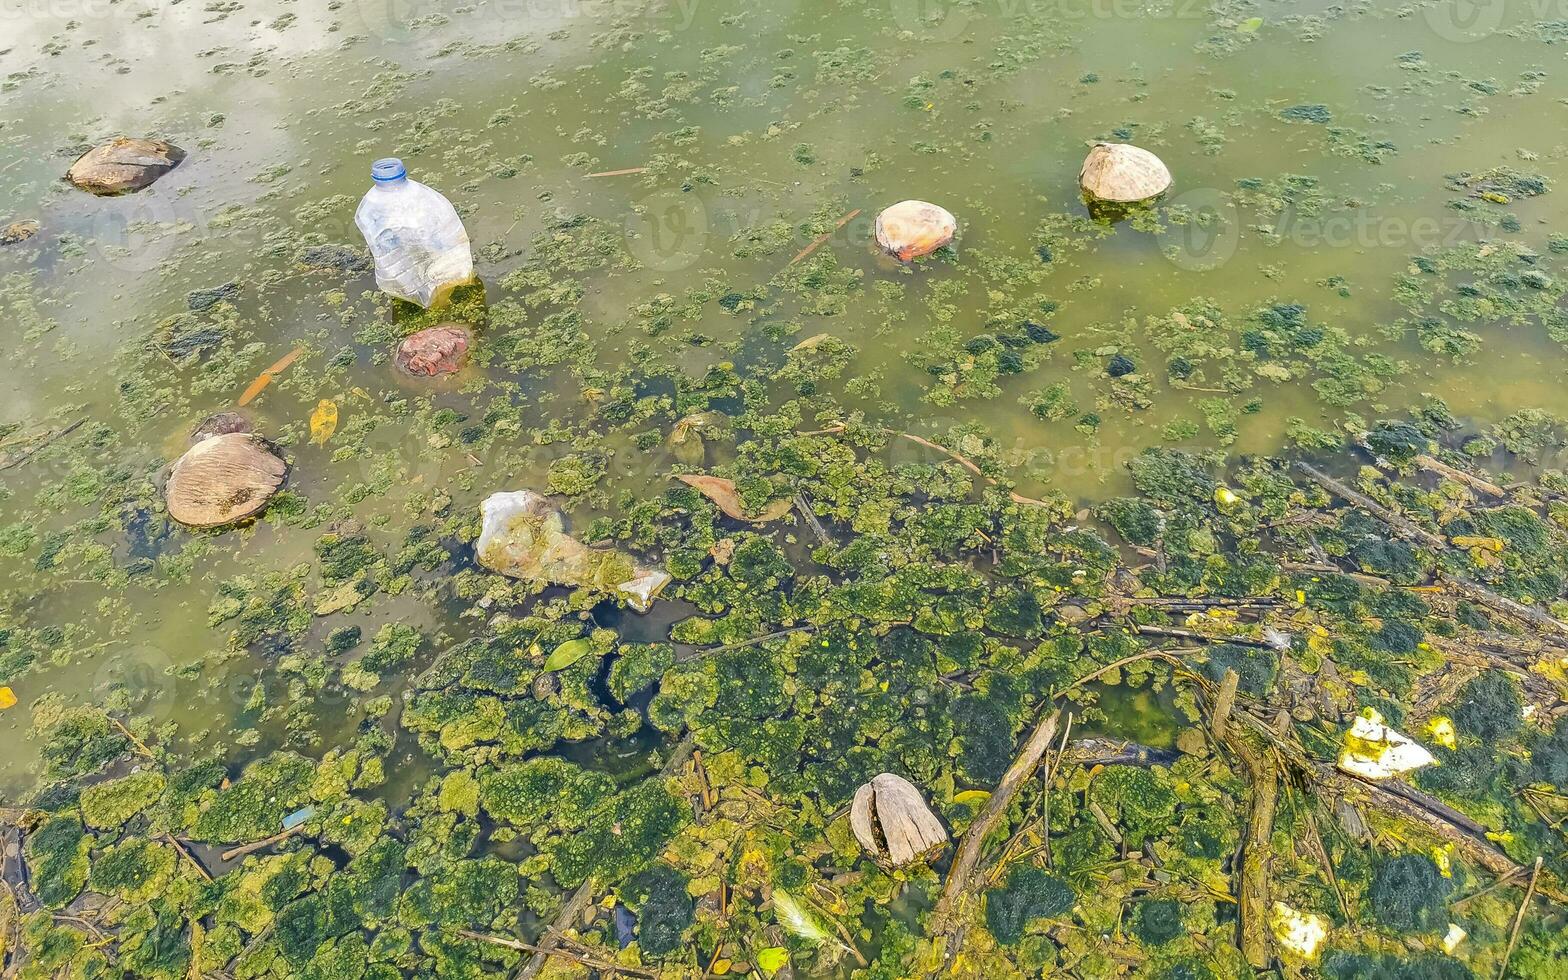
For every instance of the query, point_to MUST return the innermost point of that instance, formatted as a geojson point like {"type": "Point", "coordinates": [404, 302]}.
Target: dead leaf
{"type": "Point", "coordinates": [722, 493]}
{"type": "Point", "coordinates": [810, 343]}
{"type": "Point", "coordinates": [323, 421]}
{"type": "Point", "coordinates": [7, 698]}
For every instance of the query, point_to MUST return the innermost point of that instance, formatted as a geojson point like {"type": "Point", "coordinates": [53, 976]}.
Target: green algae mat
{"type": "Point", "coordinates": [1174, 592]}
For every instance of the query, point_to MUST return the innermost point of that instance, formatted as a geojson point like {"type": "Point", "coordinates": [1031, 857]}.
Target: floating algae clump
{"type": "Point", "coordinates": [57, 860]}
{"type": "Point", "coordinates": [1027, 896]}
{"type": "Point", "coordinates": [108, 805]}
{"type": "Point", "coordinates": [1410, 893]}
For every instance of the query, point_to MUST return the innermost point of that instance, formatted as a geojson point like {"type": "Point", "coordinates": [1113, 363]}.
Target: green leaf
{"type": "Point", "coordinates": [568, 653]}
{"type": "Point", "coordinates": [772, 960]}
{"type": "Point", "coordinates": [1250, 25]}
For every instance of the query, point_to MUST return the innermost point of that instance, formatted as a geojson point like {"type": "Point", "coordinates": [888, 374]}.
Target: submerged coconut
{"type": "Point", "coordinates": [124, 164]}
{"type": "Point", "coordinates": [910, 229]}
{"type": "Point", "coordinates": [223, 479]}
{"type": "Point", "coordinates": [892, 822]}
{"type": "Point", "coordinates": [1121, 173]}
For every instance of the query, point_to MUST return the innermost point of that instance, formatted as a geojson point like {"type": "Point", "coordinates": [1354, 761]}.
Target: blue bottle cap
{"type": "Point", "coordinates": [389, 169]}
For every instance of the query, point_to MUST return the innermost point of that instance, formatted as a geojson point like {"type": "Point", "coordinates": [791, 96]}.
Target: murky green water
{"type": "Point", "coordinates": [617, 304]}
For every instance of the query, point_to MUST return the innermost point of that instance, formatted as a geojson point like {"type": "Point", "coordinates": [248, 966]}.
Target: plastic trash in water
{"type": "Point", "coordinates": [298, 817]}
{"type": "Point", "coordinates": [415, 236]}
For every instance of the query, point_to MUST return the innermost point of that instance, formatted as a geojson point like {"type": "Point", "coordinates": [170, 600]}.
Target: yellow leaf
{"type": "Point", "coordinates": [972, 796]}
{"type": "Point", "coordinates": [721, 967]}
{"type": "Point", "coordinates": [323, 421]}
{"type": "Point", "coordinates": [772, 959]}
{"type": "Point", "coordinates": [7, 698]}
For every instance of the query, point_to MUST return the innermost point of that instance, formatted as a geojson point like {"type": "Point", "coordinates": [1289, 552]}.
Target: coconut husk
{"type": "Point", "coordinates": [1123, 174]}
{"type": "Point", "coordinates": [910, 229]}
{"type": "Point", "coordinates": [124, 164]}
{"type": "Point", "coordinates": [223, 479]}
{"type": "Point", "coordinates": [892, 821]}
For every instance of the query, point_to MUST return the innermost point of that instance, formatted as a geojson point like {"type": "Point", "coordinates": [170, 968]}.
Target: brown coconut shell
{"type": "Point", "coordinates": [223, 479]}
{"type": "Point", "coordinates": [123, 165]}
{"type": "Point", "coordinates": [1123, 174]}
{"type": "Point", "coordinates": [910, 229]}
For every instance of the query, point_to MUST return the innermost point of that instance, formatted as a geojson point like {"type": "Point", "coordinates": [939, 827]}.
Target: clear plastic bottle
{"type": "Point", "coordinates": [414, 233]}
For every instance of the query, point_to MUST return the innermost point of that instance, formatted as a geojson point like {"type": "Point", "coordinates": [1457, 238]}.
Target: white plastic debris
{"type": "Point", "coordinates": [1301, 933]}
{"type": "Point", "coordinates": [1454, 937]}
{"type": "Point", "coordinates": [524, 536]}
{"type": "Point", "coordinates": [1373, 750]}
{"type": "Point", "coordinates": [415, 236]}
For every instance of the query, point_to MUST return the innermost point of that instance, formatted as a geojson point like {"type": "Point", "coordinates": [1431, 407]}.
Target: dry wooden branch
{"type": "Point", "coordinates": [187, 855]}
{"type": "Point", "coordinates": [810, 517]}
{"type": "Point", "coordinates": [592, 962]}
{"type": "Point", "coordinates": [1401, 525]}
{"type": "Point", "coordinates": [1252, 870]}
{"type": "Point", "coordinates": [1224, 701]}
{"type": "Point", "coordinates": [1434, 465]}
{"type": "Point", "coordinates": [245, 849]}
{"type": "Point", "coordinates": [1478, 593]}
{"type": "Point", "coordinates": [968, 859]}
{"type": "Point", "coordinates": [43, 444]}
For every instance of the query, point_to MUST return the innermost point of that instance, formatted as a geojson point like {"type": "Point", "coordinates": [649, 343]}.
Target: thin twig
{"type": "Point", "coordinates": [25, 455]}
{"type": "Point", "coordinates": [709, 651]}
{"type": "Point", "coordinates": [619, 173]}
{"type": "Point", "coordinates": [136, 742]}
{"type": "Point", "coordinates": [846, 219]}
{"type": "Point", "coordinates": [194, 863]}
{"type": "Point", "coordinates": [588, 961]}
{"type": "Point", "coordinates": [1524, 906]}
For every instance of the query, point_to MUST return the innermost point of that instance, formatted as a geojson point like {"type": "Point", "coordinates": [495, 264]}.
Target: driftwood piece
{"type": "Point", "coordinates": [1434, 465]}
{"type": "Point", "coordinates": [1480, 594]}
{"type": "Point", "coordinates": [968, 858]}
{"type": "Point", "coordinates": [1401, 525]}
{"type": "Point", "coordinates": [1252, 870]}
{"type": "Point", "coordinates": [245, 849]}
{"type": "Point", "coordinates": [892, 821]}
{"type": "Point", "coordinates": [223, 479]}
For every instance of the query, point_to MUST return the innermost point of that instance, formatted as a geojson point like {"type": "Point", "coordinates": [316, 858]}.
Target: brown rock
{"type": "Point", "coordinates": [220, 424]}
{"type": "Point", "coordinates": [124, 164]}
{"type": "Point", "coordinates": [223, 479]}
{"type": "Point", "coordinates": [910, 229]}
{"type": "Point", "coordinates": [437, 350]}
{"type": "Point", "coordinates": [18, 231]}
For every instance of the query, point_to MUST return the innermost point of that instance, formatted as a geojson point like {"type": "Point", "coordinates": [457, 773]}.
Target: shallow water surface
{"type": "Point", "coordinates": [1365, 172]}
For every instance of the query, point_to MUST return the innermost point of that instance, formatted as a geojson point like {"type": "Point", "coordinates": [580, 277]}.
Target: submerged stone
{"type": "Point", "coordinates": [434, 351]}
{"type": "Point", "coordinates": [123, 165]}
{"type": "Point", "coordinates": [910, 229]}
{"type": "Point", "coordinates": [18, 231]}
{"type": "Point", "coordinates": [524, 537]}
